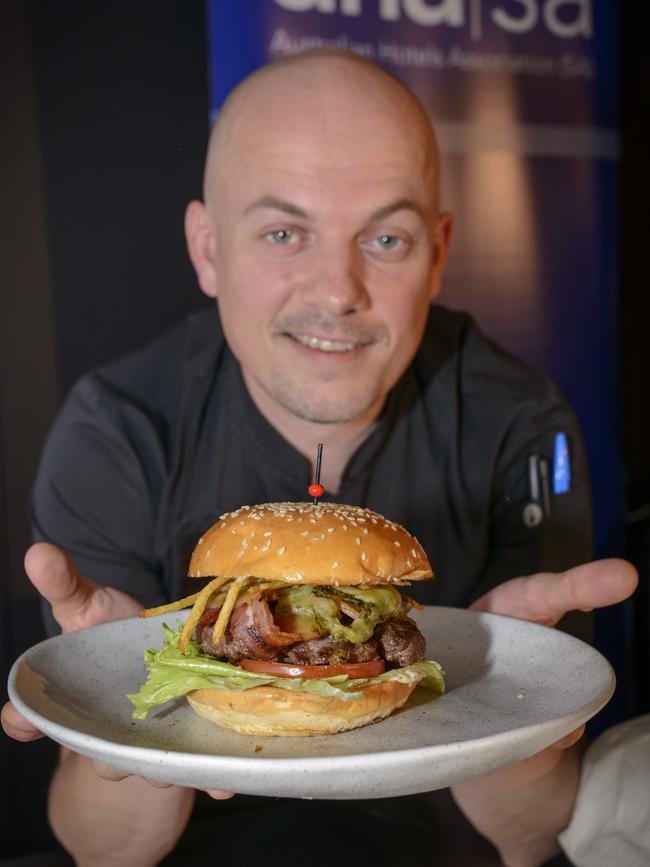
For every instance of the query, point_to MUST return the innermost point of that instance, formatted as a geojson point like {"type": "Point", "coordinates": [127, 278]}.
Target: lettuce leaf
{"type": "Point", "coordinates": [172, 673]}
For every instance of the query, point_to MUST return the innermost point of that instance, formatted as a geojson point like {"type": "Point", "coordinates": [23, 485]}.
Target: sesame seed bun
{"type": "Point", "coordinates": [306, 543]}
{"type": "Point", "coordinates": [269, 710]}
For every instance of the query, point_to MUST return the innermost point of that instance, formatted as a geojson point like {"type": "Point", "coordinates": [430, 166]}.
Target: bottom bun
{"type": "Point", "coordinates": [270, 710]}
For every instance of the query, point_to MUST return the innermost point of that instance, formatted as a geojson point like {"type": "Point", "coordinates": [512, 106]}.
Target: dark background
{"type": "Point", "coordinates": [103, 134]}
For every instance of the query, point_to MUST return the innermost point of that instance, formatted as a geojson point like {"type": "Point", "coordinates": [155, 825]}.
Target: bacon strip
{"type": "Point", "coordinates": [255, 618]}
{"type": "Point", "coordinates": [252, 633]}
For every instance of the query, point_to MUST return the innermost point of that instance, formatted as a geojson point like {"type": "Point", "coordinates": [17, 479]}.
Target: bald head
{"type": "Point", "coordinates": [325, 95]}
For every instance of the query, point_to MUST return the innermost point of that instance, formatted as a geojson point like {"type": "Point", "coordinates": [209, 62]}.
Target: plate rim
{"type": "Point", "coordinates": [268, 763]}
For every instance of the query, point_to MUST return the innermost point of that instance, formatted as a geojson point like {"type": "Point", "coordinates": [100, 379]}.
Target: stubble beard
{"type": "Point", "coordinates": [317, 407]}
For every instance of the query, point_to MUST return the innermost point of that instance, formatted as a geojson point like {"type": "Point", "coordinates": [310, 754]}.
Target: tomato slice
{"type": "Point", "coordinates": [289, 669]}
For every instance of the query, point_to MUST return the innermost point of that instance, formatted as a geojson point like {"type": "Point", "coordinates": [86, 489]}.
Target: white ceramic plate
{"type": "Point", "coordinates": [512, 689]}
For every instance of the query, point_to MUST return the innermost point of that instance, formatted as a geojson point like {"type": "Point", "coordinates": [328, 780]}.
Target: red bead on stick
{"type": "Point", "coordinates": [316, 490]}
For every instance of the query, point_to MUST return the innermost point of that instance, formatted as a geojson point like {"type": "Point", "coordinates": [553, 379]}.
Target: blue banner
{"type": "Point", "coordinates": [523, 94]}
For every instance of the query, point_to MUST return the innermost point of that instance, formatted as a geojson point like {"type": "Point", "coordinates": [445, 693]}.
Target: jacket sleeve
{"type": "Point", "coordinates": [94, 496]}
{"type": "Point", "coordinates": [523, 541]}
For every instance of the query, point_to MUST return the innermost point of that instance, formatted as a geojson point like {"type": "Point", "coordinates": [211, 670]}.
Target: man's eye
{"type": "Point", "coordinates": [387, 247]}
{"type": "Point", "coordinates": [388, 242]}
{"type": "Point", "coordinates": [281, 236]}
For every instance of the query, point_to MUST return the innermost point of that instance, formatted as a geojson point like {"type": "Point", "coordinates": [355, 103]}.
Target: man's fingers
{"type": "Point", "coordinates": [218, 795]}
{"type": "Point", "coordinates": [108, 772]}
{"type": "Point", "coordinates": [547, 597]}
{"type": "Point", "coordinates": [570, 739]}
{"type": "Point", "coordinates": [16, 726]}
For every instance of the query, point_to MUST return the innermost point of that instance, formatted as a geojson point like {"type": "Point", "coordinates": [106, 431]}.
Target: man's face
{"type": "Point", "coordinates": [327, 250]}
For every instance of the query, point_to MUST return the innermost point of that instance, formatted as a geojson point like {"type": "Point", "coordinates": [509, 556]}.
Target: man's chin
{"type": "Point", "coordinates": [314, 400]}
{"type": "Point", "coordinates": [328, 410]}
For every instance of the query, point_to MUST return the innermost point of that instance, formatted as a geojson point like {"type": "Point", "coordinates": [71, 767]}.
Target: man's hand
{"type": "Point", "coordinates": [523, 807]}
{"type": "Point", "coordinates": [546, 597]}
{"type": "Point", "coordinates": [76, 603]}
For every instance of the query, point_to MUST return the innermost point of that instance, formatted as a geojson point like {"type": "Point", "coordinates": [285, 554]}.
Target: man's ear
{"type": "Point", "coordinates": [201, 246]}
{"type": "Point", "coordinates": [441, 240]}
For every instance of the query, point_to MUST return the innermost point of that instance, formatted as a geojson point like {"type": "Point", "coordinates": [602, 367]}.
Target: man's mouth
{"type": "Point", "coordinates": [325, 344]}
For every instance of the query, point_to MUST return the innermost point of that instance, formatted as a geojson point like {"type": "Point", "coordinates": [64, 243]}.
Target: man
{"type": "Point", "coordinates": [322, 241]}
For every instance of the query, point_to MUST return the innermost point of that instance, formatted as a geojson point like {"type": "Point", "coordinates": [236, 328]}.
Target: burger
{"type": "Point", "coordinates": [301, 628]}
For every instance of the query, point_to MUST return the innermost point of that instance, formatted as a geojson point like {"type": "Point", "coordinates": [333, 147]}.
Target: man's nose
{"type": "Point", "coordinates": [339, 285]}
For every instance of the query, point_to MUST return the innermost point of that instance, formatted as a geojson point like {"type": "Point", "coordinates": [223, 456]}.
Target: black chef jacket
{"type": "Point", "coordinates": [149, 450]}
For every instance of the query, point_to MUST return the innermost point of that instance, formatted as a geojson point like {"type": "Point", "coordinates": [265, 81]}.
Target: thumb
{"type": "Point", "coordinates": [546, 597]}
{"type": "Point", "coordinates": [56, 578]}
{"type": "Point", "coordinates": [76, 602]}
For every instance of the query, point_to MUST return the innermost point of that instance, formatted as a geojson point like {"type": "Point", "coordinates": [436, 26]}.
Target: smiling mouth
{"type": "Point", "coordinates": [324, 344]}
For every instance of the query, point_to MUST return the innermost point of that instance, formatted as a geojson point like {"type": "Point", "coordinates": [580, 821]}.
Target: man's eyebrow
{"type": "Point", "coordinates": [278, 205]}
{"type": "Point", "coordinates": [289, 208]}
{"type": "Point", "coordinates": [393, 207]}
